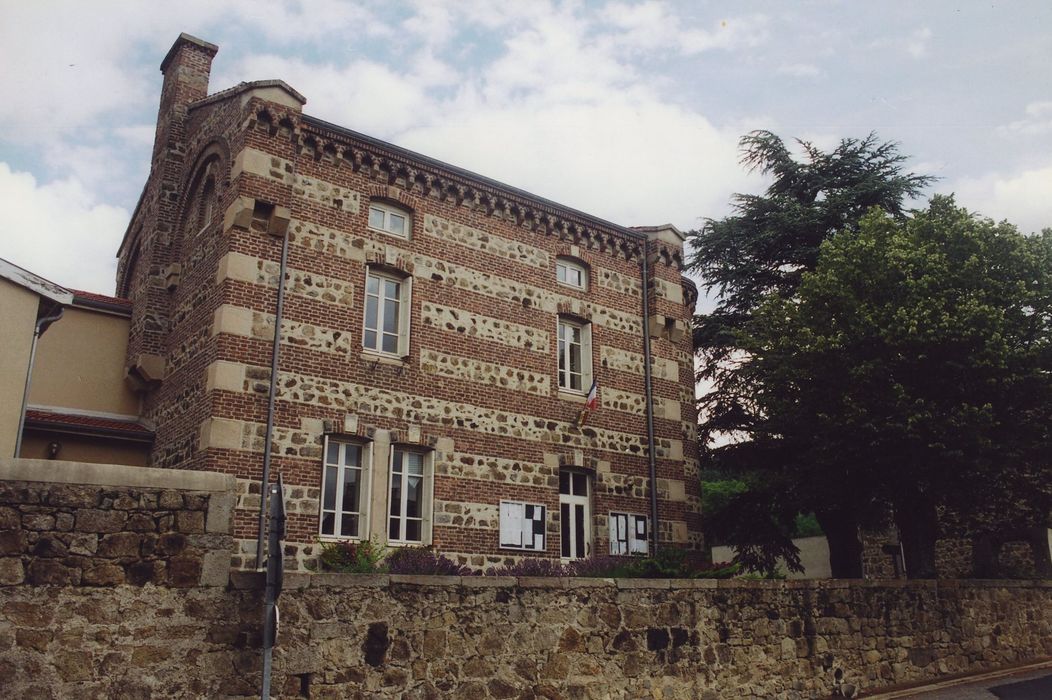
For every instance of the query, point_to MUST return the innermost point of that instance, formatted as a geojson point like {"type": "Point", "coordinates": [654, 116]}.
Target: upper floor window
{"type": "Point", "coordinates": [571, 273]}
{"type": "Point", "coordinates": [345, 492]}
{"type": "Point", "coordinates": [575, 355]}
{"type": "Point", "coordinates": [390, 219]}
{"type": "Point", "coordinates": [386, 313]}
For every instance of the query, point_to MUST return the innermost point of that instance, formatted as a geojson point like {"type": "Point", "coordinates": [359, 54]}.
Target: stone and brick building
{"type": "Point", "coordinates": [439, 335]}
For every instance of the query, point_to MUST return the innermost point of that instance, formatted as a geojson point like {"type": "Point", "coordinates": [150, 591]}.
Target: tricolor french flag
{"type": "Point", "coordinates": [590, 404]}
{"type": "Point", "coordinates": [593, 397]}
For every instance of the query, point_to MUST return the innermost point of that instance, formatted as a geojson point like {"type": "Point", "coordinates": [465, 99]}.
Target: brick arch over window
{"type": "Point", "coordinates": [127, 282]}
{"type": "Point", "coordinates": [203, 191]}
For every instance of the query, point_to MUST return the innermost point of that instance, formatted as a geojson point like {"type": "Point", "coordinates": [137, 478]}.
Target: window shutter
{"type": "Point", "coordinates": [586, 357]}
{"type": "Point", "coordinates": [618, 534]}
{"type": "Point", "coordinates": [405, 316]}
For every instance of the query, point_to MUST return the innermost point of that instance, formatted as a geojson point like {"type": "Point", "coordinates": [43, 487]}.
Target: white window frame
{"type": "Point", "coordinates": [426, 496]}
{"type": "Point", "coordinates": [405, 297]}
{"type": "Point", "coordinates": [583, 549]}
{"type": "Point", "coordinates": [387, 213]}
{"type": "Point", "coordinates": [636, 540]}
{"type": "Point", "coordinates": [514, 533]}
{"type": "Point", "coordinates": [364, 490]}
{"type": "Point", "coordinates": [565, 353]}
{"type": "Point", "coordinates": [565, 266]}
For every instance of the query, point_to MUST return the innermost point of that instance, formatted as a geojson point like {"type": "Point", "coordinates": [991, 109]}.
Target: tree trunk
{"type": "Point", "coordinates": [918, 525]}
{"type": "Point", "coordinates": [845, 550]}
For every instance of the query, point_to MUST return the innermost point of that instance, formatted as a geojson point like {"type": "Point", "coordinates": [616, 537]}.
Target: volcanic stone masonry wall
{"type": "Point", "coordinates": [78, 620]}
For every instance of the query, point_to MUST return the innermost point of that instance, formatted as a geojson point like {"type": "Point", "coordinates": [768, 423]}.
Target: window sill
{"type": "Point", "coordinates": [399, 236]}
{"type": "Point", "coordinates": [571, 395]}
{"type": "Point", "coordinates": [339, 538]}
{"type": "Point", "coordinates": [393, 360]}
{"type": "Point", "coordinates": [581, 289]}
{"type": "Point", "coordinates": [399, 543]}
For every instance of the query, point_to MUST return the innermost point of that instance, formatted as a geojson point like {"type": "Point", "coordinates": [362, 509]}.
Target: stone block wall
{"type": "Point", "coordinates": [443, 637]}
{"type": "Point", "coordinates": [116, 583]}
{"type": "Point", "coordinates": [75, 524]}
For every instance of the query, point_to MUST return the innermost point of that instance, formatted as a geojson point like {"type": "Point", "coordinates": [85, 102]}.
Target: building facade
{"type": "Point", "coordinates": [440, 336]}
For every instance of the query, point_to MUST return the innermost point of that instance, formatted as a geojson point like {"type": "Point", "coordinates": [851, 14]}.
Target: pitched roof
{"type": "Point", "coordinates": [34, 283]}
{"type": "Point", "coordinates": [101, 301]}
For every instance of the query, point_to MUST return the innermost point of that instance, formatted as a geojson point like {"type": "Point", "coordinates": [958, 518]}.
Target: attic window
{"type": "Point", "coordinates": [571, 273]}
{"type": "Point", "coordinates": [390, 219]}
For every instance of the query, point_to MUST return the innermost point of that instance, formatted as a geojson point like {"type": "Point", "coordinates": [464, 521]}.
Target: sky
{"type": "Point", "coordinates": [631, 111]}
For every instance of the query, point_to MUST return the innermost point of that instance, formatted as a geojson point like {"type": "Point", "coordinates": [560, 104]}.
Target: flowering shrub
{"type": "Point", "coordinates": [349, 557]}
{"type": "Point", "coordinates": [423, 561]}
{"type": "Point", "coordinates": [668, 563]}
{"type": "Point", "coordinates": [530, 567]}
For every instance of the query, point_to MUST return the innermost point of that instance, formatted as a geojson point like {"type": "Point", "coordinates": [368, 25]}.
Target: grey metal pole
{"type": "Point", "coordinates": [649, 393]}
{"type": "Point", "coordinates": [275, 355]}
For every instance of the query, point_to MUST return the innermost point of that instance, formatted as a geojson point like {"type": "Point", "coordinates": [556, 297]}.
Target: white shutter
{"type": "Point", "coordinates": [618, 534]}
{"type": "Point", "coordinates": [511, 524]}
{"type": "Point", "coordinates": [586, 357]}
{"type": "Point", "coordinates": [406, 316]}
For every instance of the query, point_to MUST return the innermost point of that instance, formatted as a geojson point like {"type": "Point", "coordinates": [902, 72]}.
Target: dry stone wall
{"type": "Point", "coordinates": [438, 637]}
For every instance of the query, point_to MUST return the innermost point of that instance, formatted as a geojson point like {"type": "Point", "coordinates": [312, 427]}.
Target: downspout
{"type": "Point", "coordinates": [649, 397]}
{"type": "Point", "coordinates": [275, 355]}
{"type": "Point", "coordinates": [41, 326]}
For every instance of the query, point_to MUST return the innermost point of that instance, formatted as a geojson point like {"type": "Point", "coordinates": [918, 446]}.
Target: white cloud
{"type": "Point", "coordinates": [1021, 198]}
{"type": "Point", "coordinates": [59, 231]}
{"type": "Point", "coordinates": [632, 162]}
{"type": "Point", "coordinates": [799, 70]}
{"type": "Point", "coordinates": [917, 43]}
{"type": "Point", "coordinates": [653, 26]}
{"type": "Point", "coordinates": [558, 112]}
{"type": "Point", "coordinates": [1038, 120]}
{"type": "Point", "coordinates": [363, 95]}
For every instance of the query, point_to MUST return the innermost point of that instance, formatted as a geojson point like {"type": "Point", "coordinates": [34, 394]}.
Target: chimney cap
{"type": "Point", "coordinates": [184, 38]}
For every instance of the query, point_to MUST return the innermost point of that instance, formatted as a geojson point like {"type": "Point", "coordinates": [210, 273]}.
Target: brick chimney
{"type": "Point", "coordinates": [185, 70]}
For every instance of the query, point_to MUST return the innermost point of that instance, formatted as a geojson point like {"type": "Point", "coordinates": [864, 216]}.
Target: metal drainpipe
{"type": "Point", "coordinates": [38, 331]}
{"type": "Point", "coordinates": [274, 357]}
{"type": "Point", "coordinates": [649, 393]}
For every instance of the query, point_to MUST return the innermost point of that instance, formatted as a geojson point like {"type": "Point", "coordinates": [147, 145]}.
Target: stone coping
{"type": "Point", "coordinates": [55, 471]}
{"type": "Point", "coordinates": [249, 580]}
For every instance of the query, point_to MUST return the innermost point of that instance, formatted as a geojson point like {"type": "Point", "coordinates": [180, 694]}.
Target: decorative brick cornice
{"type": "Point", "coordinates": [690, 291]}
{"type": "Point", "coordinates": [418, 176]}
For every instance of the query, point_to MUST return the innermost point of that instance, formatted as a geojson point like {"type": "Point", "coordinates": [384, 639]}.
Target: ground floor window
{"type": "Point", "coordinates": [575, 514]}
{"type": "Point", "coordinates": [345, 493]}
{"type": "Point", "coordinates": [407, 498]}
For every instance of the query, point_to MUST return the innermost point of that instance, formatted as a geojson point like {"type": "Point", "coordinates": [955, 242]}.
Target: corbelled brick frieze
{"type": "Point", "coordinates": [419, 176]}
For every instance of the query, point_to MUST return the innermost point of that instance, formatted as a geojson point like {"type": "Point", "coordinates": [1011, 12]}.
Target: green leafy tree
{"type": "Point", "coordinates": [763, 249]}
{"type": "Point", "coordinates": [913, 367]}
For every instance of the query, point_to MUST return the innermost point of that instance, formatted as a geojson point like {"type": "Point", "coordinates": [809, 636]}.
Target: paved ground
{"type": "Point", "coordinates": [1033, 685]}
